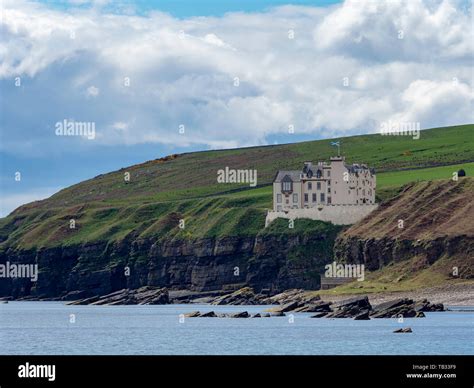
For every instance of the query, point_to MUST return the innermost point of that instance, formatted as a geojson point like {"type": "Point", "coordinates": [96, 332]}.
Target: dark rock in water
{"type": "Point", "coordinates": [420, 314]}
{"type": "Point", "coordinates": [194, 314]}
{"type": "Point", "coordinates": [243, 314]}
{"type": "Point", "coordinates": [406, 308]}
{"type": "Point", "coordinates": [354, 304]}
{"type": "Point", "coordinates": [405, 330]}
{"type": "Point", "coordinates": [316, 307]}
{"type": "Point", "coordinates": [319, 315]}
{"type": "Point", "coordinates": [350, 308]}
{"type": "Point", "coordinates": [266, 315]}
{"type": "Point", "coordinates": [256, 315]}
{"type": "Point", "coordinates": [363, 316]}
{"type": "Point", "coordinates": [421, 305]}
{"type": "Point", "coordinates": [278, 314]}
{"type": "Point", "coordinates": [435, 307]}
{"type": "Point", "coordinates": [387, 309]}
{"type": "Point", "coordinates": [287, 307]}
{"type": "Point", "coordinates": [210, 314]}
{"type": "Point", "coordinates": [144, 295]}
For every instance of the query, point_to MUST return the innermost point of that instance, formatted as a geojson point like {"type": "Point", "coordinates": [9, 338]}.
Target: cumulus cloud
{"type": "Point", "coordinates": [237, 79]}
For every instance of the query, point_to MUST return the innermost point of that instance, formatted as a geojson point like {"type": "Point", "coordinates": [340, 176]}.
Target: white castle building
{"type": "Point", "coordinates": [335, 192]}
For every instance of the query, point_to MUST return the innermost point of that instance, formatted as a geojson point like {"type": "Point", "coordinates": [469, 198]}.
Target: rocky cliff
{"type": "Point", "coordinates": [428, 225]}
{"type": "Point", "coordinates": [271, 261]}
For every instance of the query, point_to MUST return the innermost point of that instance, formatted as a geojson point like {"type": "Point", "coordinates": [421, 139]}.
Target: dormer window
{"type": "Point", "coordinates": [286, 185]}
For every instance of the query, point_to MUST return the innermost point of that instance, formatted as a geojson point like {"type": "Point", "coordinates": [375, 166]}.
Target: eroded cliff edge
{"type": "Point", "coordinates": [272, 262]}
{"type": "Point", "coordinates": [424, 235]}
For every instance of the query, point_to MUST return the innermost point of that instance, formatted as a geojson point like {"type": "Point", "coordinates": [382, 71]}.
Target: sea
{"type": "Point", "coordinates": [54, 328]}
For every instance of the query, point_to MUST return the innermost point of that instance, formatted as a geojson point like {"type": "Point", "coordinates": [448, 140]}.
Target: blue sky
{"type": "Point", "coordinates": [189, 8]}
{"type": "Point", "coordinates": [233, 73]}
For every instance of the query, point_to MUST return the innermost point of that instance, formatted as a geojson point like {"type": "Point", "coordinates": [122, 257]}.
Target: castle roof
{"type": "Point", "coordinates": [356, 168]}
{"type": "Point", "coordinates": [295, 176]}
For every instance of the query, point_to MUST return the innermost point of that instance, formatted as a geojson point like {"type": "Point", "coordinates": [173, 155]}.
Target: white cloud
{"type": "Point", "coordinates": [183, 71]}
{"type": "Point", "coordinates": [92, 91]}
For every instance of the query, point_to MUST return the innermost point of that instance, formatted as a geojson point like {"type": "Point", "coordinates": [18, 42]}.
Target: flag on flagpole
{"type": "Point", "coordinates": [338, 145]}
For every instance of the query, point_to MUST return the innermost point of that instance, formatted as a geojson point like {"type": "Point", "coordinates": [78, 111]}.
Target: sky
{"type": "Point", "coordinates": [160, 77]}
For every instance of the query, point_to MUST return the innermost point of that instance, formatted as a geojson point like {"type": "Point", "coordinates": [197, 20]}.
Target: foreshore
{"type": "Point", "coordinates": [454, 295]}
{"type": "Point", "coordinates": [450, 295]}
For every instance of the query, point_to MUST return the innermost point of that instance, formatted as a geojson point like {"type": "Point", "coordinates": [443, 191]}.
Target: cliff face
{"type": "Point", "coordinates": [378, 253]}
{"type": "Point", "coordinates": [428, 223]}
{"type": "Point", "coordinates": [274, 262]}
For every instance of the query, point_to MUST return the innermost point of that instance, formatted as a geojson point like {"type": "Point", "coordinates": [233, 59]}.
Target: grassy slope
{"type": "Point", "coordinates": [163, 191]}
{"type": "Point", "coordinates": [430, 210]}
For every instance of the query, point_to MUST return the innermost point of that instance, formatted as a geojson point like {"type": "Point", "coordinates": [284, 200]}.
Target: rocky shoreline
{"type": "Point", "coordinates": [361, 307]}
{"type": "Point", "coordinates": [290, 301]}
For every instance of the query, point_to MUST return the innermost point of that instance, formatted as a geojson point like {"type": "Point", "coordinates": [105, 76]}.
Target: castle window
{"type": "Point", "coordinates": [318, 186]}
{"type": "Point", "coordinates": [328, 173]}
{"type": "Point", "coordinates": [310, 186]}
{"type": "Point", "coordinates": [306, 197]}
{"type": "Point", "coordinates": [295, 197]}
{"type": "Point", "coordinates": [278, 198]}
{"type": "Point", "coordinates": [322, 197]}
{"type": "Point", "coordinates": [286, 185]}
{"type": "Point", "coordinates": [329, 189]}
{"type": "Point", "coordinates": [329, 182]}
{"type": "Point", "coordinates": [314, 197]}
{"type": "Point", "coordinates": [329, 199]}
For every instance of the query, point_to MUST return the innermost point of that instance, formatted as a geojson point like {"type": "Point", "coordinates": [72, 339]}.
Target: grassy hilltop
{"type": "Point", "coordinates": [162, 191]}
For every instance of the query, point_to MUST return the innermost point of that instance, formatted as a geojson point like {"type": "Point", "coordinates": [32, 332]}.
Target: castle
{"type": "Point", "coordinates": [335, 192]}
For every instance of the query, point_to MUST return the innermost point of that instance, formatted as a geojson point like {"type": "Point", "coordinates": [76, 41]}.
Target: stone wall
{"type": "Point", "coordinates": [336, 214]}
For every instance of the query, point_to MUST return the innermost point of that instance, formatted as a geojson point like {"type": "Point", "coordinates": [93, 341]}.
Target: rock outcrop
{"type": "Point", "coordinates": [351, 308]}
{"type": "Point", "coordinates": [143, 295]}
{"type": "Point", "coordinates": [404, 330]}
{"type": "Point", "coordinates": [265, 263]}
{"type": "Point", "coordinates": [360, 308]}
{"type": "Point", "coordinates": [404, 308]}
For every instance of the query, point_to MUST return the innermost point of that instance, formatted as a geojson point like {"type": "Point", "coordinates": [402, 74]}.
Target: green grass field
{"type": "Point", "coordinates": [163, 191]}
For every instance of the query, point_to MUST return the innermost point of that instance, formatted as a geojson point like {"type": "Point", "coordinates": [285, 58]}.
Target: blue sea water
{"type": "Point", "coordinates": [44, 328]}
